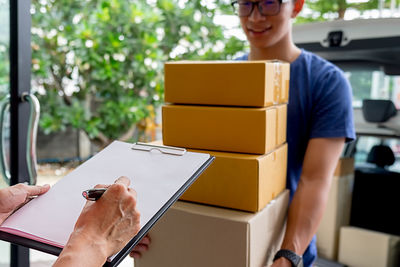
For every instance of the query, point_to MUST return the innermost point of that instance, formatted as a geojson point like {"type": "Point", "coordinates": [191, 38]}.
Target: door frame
{"type": "Point", "coordinates": [20, 82]}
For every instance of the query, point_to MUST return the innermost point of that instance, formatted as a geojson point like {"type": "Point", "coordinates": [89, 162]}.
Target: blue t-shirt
{"type": "Point", "coordinates": [320, 105]}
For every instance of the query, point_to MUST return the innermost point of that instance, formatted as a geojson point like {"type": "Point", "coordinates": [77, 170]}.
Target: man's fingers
{"type": "Point", "coordinates": [120, 185]}
{"type": "Point", "coordinates": [102, 186]}
{"type": "Point", "coordinates": [140, 248]}
{"type": "Point", "coordinates": [123, 180]}
{"type": "Point", "coordinates": [132, 191]}
{"type": "Point", "coordinates": [145, 240]}
{"type": "Point", "coordinates": [135, 255]}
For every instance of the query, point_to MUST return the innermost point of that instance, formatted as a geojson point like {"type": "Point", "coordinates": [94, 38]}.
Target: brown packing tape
{"type": "Point", "coordinates": [285, 79]}
{"type": "Point", "coordinates": [277, 81]}
{"type": "Point", "coordinates": [287, 82]}
{"type": "Point", "coordinates": [281, 72]}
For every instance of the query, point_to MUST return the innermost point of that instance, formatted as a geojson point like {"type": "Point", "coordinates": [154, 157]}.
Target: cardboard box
{"type": "Point", "coordinates": [365, 248]}
{"type": "Point", "coordinates": [344, 167]}
{"type": "Point", "coordinates": [198, 235]}
{"type": "Point", "coordinates": [240, 181]}
{"type": "Point", "coordinates": [235, 83]}
{"type": "Point", "coordinates": [281, 121]}
{"type": "Point", "coordinates": [243, 130]}
{"type": "Point", "coordinates": [336, 215]}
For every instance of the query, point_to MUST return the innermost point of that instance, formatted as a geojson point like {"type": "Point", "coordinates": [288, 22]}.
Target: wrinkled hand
{"type": "Point", "coordinates": [141, 247]}
{"type": "Point", "coordinates": [113, 220]}
{"type": "Point", "coordinates": [13, 197]}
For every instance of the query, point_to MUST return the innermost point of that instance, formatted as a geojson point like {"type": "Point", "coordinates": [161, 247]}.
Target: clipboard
{"type": "Point", "coordinates": [179, 169]}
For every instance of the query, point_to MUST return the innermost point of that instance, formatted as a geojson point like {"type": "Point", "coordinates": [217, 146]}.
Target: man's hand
{"type": "Point", "coordinates": [104, 227]}
{"type": "Point", "coordinates": [141, 247]}
{"type": "Point", "coordinates": [113, 218]}
{"type": "Point", "coordinates": [13, 197]}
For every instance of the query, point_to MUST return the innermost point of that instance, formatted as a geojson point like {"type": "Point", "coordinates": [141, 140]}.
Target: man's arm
{"type": "Point", "coordinates": [309, 200]}
{"type": "Point", "coordinates": [83, 250]}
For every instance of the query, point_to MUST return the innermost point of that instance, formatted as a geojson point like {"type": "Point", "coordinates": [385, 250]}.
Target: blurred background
{"type": "Point", "coordinates": [97, 70]}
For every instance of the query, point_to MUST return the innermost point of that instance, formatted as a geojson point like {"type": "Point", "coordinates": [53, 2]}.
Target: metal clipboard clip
{"type": "Point", "coordinates": [177, 151]}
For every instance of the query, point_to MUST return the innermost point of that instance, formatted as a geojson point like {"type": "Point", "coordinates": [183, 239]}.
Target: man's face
{"type": "Point", "coordinates": [266, 31]}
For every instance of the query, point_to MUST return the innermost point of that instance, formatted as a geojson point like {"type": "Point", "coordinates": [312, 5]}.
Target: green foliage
{"type": "Point", "coordinates": [338, 8]}
{"type": "Point", "coordinates": [4, 70]}
{"type": "Point", "coordinates": [4, 48]}
{"type": "Point", "coordinates": [98, 64]}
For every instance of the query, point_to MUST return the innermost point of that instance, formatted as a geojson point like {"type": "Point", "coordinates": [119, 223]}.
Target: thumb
{"type": "Point", "coordinates": [36, 190]}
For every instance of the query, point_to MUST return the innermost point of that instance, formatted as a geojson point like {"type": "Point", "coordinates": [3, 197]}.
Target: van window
{"type": "Point", "coordinates": [373, 84]}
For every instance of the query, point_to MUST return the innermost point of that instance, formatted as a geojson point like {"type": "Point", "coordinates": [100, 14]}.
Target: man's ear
{"type": "Point", "coordinates": [298, 6]}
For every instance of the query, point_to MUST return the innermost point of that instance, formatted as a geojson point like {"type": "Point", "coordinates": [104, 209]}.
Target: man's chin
{"type": "Point", "coordinates": [259, 44]}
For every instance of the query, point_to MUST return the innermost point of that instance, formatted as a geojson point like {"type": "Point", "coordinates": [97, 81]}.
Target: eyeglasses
{"type": "Point", "coordinates": [265, 7]}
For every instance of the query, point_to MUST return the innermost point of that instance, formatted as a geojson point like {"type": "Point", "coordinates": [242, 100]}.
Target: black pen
{"type": "Point", "coordinates": [93, 194]}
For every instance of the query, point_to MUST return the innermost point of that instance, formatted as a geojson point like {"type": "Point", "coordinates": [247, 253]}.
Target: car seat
{"type": "Point", "coordinates": [382, 156]}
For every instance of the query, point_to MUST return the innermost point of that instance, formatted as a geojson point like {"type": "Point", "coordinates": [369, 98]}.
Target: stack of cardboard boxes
{"type": "Point", "coordinates": [235, 111]}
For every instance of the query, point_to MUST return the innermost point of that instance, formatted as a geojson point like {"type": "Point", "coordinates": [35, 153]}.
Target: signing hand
{"type": "Point", "coordinates": [113, 218]}
{"type": "Point", "coordinates": [104, 227]}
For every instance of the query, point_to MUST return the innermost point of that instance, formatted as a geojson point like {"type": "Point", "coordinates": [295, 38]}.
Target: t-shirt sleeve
{"type": "Point", "coordinates": [332, 114]}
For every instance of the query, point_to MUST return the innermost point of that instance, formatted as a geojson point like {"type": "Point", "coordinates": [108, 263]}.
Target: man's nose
{"type": "Point", "coordinates": [256, 15]}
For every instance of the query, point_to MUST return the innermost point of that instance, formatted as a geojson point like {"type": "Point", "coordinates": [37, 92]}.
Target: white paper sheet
{"type": "Point", "coordinates": [156, 177]}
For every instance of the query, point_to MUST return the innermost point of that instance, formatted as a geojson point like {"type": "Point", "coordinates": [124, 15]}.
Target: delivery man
{"type": "Point", "coordinates": [319, 122]}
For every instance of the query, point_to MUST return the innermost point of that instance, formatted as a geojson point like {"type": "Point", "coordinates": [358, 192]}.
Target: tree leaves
{"type": "Point", "coordinates": [338, 8]}
{"type": "Point", "coordinates": [99, 66]}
